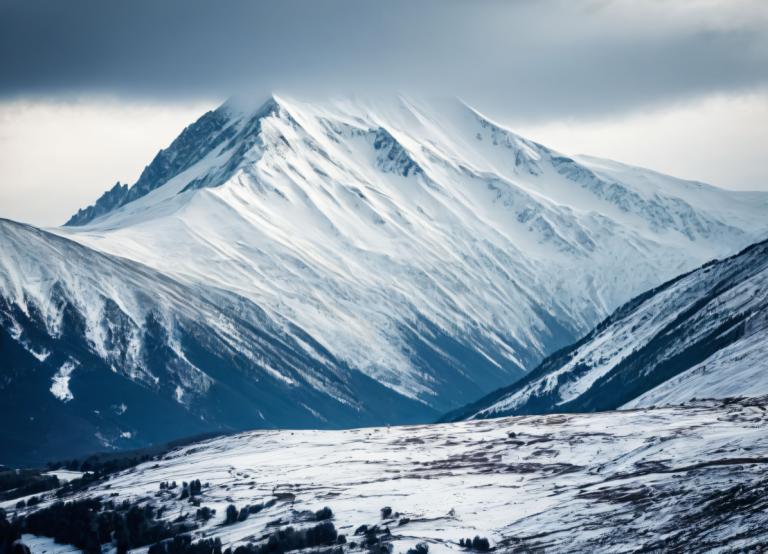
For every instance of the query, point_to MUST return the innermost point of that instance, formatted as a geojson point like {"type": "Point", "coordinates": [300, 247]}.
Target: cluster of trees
{"type": "Point", "coordinates": [15, 483]}
{"type": "Point", "coordinates": [481, 544]}
{"type": "Point", "coordinates": [190, 490]}
{"type": "Point", "coordinates": [78, 484]}
{"type": "Point", "coordinates": [289, 538]}
{"type": "Point", "coordinates": [103, 464]}
{"type": "Point", "coordinates": [10, 532]}
{"type": "Point", "coordinates": [374, 538]}
{"type": "Point", "coordinates": [31, 501]}
{"type": "Point", "coordinates": [182, 544]}
{"type": "Point", "coordinates": [89, 523]}
{"type": "Point", "coordinates": [205, 513]}
{"type": "Point", "coordinates": [325, 513]}
{"type": "Point", "coordinates": [233, 515]}
{"type": "Point", "coordinates": [323, 534]}
{"type": "Point", "coordinates": [256, 508]}
{"type": "Point", "coordinates": [110, 462]}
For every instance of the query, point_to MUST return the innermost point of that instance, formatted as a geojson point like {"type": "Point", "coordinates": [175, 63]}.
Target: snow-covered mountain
{"type": "Point", "coordinates": [101, 352]}
{"type": "Point", "coordinates": [400, 236]}
{"type": "Point", "coordinates": [678, 479]}
{"type": "Point", "coordinates": [420, 248]}
{"type": "Point", "coordinates": [701, 335]}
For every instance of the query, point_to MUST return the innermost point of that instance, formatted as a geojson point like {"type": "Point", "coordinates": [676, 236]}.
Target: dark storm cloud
{"type": "Point", "coordinates": [548, 57]}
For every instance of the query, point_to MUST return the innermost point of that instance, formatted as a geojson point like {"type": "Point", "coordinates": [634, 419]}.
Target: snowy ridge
{"type": "Point", "coordinates": [702, 335]}
{"type": "Point", "coordinates": [379, 227]}
{"type": "Point", "coordinates": [118, 355]}
{"type": "Point", "coordinates": [688, 478]}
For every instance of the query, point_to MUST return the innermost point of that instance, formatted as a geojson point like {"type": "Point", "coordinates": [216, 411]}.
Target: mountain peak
{"type": "Point", "coordinates": [431, 218]}
{"type": "Point", "coordinates": [107, 202]}
{"type": "Point", "coordinates": [194, 143]}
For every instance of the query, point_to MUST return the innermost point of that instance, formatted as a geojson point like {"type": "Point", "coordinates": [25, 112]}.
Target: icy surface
{"type": "Point", "coordinates": [665, 478]}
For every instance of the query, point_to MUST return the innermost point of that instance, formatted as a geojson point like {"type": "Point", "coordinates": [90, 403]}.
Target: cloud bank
{"type": "Point", "coordinates": [538, 58]}
{"type": "Point", "coordinates": [90, 90]}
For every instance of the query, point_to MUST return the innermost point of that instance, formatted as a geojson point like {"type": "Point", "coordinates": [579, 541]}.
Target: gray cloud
{"type": "Point", "coordinates": [96, 88]}
{"type": "Point", "coordinates": [539, 59]}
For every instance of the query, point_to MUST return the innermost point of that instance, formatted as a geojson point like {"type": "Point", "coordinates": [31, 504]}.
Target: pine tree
{"type": "Point", "coordinates": [231, 516]}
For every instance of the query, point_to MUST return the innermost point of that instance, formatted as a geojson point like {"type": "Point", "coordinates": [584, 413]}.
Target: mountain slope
{"type": "Point", "coordinates": [406, 238]}
{"type": "Point", "coordinates": [101, 352]}
{"type": "Point", "coordinates": [701, 335]}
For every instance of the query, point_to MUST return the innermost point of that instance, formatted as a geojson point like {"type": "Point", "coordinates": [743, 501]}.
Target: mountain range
{"type": "Point", "coordinates": [330, 264]}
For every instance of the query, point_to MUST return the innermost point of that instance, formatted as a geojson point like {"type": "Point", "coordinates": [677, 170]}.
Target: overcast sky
{"type": "Point", "coordinates": [90, 90]}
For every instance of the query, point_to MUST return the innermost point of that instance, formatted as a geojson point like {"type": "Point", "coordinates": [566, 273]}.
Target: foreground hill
{"type": "Point", "coordinates": [702, 335]}
{"type": "Point", "coordinates": [688, 478]}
